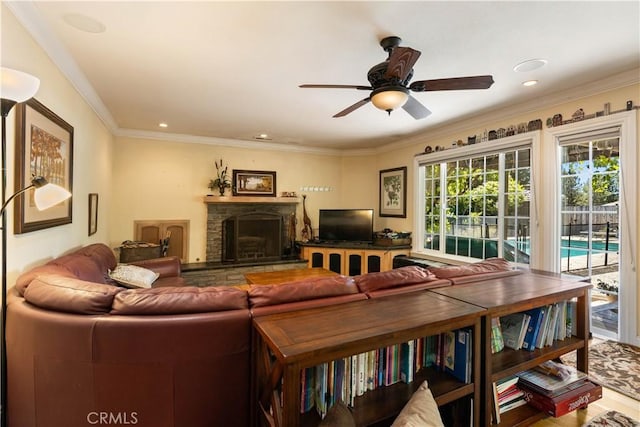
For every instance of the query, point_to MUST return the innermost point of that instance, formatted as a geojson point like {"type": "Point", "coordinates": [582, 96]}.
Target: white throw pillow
{"type": "Point", "coordinates": [420, 411]}
{"type": "Point", "coordinates": [133, 276]}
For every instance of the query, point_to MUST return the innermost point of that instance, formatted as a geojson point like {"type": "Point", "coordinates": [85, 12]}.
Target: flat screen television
{"type": "Point", "coordinates": [346, 225]}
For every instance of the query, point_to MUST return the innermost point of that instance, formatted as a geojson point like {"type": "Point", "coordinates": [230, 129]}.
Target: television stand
{"type": "Point", "coordinates": [351, 258]}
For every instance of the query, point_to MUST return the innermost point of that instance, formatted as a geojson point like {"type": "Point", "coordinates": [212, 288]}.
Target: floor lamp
{"type": "Point", "coordinates": [16, 86]}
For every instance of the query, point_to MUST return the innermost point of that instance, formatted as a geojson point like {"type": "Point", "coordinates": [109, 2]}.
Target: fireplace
{"type": "Point", "coordinates": [253, 231]}
{"type": "Point", "coordinates": [252, 237]}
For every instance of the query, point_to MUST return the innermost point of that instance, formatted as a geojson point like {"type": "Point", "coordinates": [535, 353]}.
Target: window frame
{"type": "Point", "coordinates": [525, 140]}
{"type": "Point", "coordinates": [628, 329]}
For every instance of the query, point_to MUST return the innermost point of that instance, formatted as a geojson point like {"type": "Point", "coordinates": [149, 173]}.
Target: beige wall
{"type": "Point", "coordinates": [93, 147]}
{"type": "Point", "coordinates": [168, 180]}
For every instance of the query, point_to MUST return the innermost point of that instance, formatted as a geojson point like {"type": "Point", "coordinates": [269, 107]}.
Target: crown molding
{"type": "Point", "coordinates": [224, 142]}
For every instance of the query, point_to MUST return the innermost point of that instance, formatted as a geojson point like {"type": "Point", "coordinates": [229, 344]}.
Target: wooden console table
{"type": "Point", "coordinates": [286, 343]}
{"type": "Point", "coordinates": [516, 294]}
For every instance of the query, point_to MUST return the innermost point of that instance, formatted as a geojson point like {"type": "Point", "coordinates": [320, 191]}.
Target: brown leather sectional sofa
{"type": "Point", "coordinates": [82, 351]}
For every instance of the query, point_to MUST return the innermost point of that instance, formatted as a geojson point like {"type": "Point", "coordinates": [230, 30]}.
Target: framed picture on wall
{"type": "Point", "coordinates": [93, 213]}
{"type": "Point", "coordinates": [393, 192]}
{"type": "Point", "coordinates": [44, 147]}
{"type": "Point", "coordinates": [254, 183]}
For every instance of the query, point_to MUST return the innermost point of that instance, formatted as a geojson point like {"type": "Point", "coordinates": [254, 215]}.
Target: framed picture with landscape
{"type": "Point", "coordinates": [254, 183]}
{"type": "Point", "coordinates": [44, 147]}
{"type": "Point", "coordinates": [393, 192]}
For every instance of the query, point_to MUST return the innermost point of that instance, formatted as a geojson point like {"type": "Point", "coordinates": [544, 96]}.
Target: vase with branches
{"type": "Point", "coordinates": [221, 182]}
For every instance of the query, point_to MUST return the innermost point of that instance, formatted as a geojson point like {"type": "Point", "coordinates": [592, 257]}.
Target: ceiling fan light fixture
{"type": "Point", "coordinates": [389, 98]}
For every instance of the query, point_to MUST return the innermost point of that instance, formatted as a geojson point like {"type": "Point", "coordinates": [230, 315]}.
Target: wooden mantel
{"type": "Point", "coordinates": [248, 199]}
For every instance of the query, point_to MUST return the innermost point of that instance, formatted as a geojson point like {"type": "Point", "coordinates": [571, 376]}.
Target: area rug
{"type": "Point", "coordinates": [612, 419]}
{"type": "Point", "coordinates": [613, 365]}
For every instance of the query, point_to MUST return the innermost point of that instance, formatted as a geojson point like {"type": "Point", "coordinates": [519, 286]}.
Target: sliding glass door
{"type": "Point", "coordinates": [589, 210]}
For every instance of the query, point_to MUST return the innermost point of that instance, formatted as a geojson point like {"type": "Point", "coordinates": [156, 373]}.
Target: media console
{"type": "Point", "coordinates": [352, 258]}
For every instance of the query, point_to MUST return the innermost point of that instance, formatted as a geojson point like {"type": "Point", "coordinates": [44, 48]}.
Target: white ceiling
{"type": "Point", "coordinates": [231, 70]}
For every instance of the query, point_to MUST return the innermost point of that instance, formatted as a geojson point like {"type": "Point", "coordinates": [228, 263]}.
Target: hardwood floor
{"type": "Point", "coordinates": [611, 400]}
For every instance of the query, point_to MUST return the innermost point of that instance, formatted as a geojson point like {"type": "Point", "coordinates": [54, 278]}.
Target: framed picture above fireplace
{"type": "Point", "coordinates": [254, 183]}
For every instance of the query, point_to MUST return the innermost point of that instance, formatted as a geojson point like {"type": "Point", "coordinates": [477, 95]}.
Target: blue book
{"type": "Point", "coordinates": [535, 324]}
{"type": "Point", "coordinates": [462, 356]}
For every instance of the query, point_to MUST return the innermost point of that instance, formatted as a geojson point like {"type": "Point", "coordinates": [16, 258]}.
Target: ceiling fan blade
{"type": "Point", "coordinates": [454, 83]}
{"type": "Point", "coordinates": [353, 107]}
{"type": "Point", "coordinates": [401, 62]}
{"type": "Point", "coordinates": [337, 87]}
{"type": "Point", "coordinates": [415, 108]}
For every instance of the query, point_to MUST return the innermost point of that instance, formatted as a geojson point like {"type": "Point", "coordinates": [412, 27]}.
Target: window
{"type": "Point", "coordinates": [478, 202]}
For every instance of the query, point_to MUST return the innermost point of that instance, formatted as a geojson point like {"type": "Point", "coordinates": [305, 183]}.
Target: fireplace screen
{"type": "Point", "coordinates": [253, 236]}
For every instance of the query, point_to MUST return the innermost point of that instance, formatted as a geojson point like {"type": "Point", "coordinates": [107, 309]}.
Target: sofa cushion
{"type": "Point", "coordinates": [70, 295]}
{"type": "Point", "coordinates": [168, 266]}
{"type": "Point", "coordinates": [393, 278]}
{"type": "Point", "coordinates": [420, 411]}
{"type": "Point", "coordinates": [81, 266]}
{"type": "Point", "coordinates": [322, 287]}
{"type": "Point", "coordinates": [338, 415]}
{"type": "Point", "coordinates": [486, 266]}
{"type": "Point", "coordinates": [133, 276]}
{"type": "Point", "coordinates": [189, 299]}
{"type": "Point", "coordinates": [47, 269]}
{"type": "Point", "coordinates": [101, 254]}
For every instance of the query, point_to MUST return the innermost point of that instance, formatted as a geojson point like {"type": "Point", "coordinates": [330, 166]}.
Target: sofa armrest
{"type": "Point", "coordinates": [166, 267]}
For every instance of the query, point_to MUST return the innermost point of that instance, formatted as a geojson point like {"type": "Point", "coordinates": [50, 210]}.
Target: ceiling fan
{"type": "Point", "coordinates": [389, 82]}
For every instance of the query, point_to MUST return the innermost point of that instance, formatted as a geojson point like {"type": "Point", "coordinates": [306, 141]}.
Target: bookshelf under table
{"type": "Point", "coordinates": [288, 342]}
{"type": "Point", "coordinates": [515, 294]}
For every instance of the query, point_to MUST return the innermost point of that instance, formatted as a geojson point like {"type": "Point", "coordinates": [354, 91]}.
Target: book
{"type": "Point", "coordinates": [513, 404]}
{"type": "Point", "coordinates": [449, 350]}
{"type": "Point", "coordinates": [540, 341]}
{"type": "Point", "coordinates": [513, 327]}
{"type": "Point", "coordinates": [572, 316]}
{"type": "Point", "coordinates": [407, 355]}
{"type": "Point", "coordinates": [510, 395]}
{"type": "Point", "coordinates": [533, 329]}
{"type": "Point", "coordinates": [543, 380]}
{"type": "Point", "coordinates": [321, 389]}
{"type": "Point", "coordinates": [562, 404]}
{"type": "Point", "coordinates": [552, 325]}
{"type": "Point", "coordinates": [463, 354]}
{"type": "Point", "coordinates": [497, 341]}
{"type": "Point", "coordinates": [506, 383]}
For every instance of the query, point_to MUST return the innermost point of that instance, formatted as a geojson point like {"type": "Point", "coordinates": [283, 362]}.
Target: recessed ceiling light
{"type": "Point", "coordinates": [530, 83]}
{"type": "Point", "coordinates": [262, 137]}
{"type": "Point", "coordinates": [530, 65]}
{"type": "Point", "coordinates": [84, 23]}
{"type": "Point", "coordinates": [163, 125]}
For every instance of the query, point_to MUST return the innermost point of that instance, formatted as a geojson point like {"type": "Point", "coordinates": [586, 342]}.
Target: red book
{"type": "Point", "coordinates": [566, 402]}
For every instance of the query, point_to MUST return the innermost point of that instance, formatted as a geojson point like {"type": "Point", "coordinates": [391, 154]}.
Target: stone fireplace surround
{"type": "Point", "coordinates": [221, 208]}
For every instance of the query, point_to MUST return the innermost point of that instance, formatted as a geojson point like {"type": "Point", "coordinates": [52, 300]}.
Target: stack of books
{"type": "Point", "coordinates": [557, 389]}
{"type": "Point", "coordinates": [507, 395]}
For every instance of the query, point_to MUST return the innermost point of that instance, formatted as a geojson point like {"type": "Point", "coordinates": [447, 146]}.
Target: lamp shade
{"type": "Point", "coordinates": [47, 195]}
{"type": "Point", "coordinates": [389, 99]}
{"type": "Point", "coordinates": [16, 85]}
